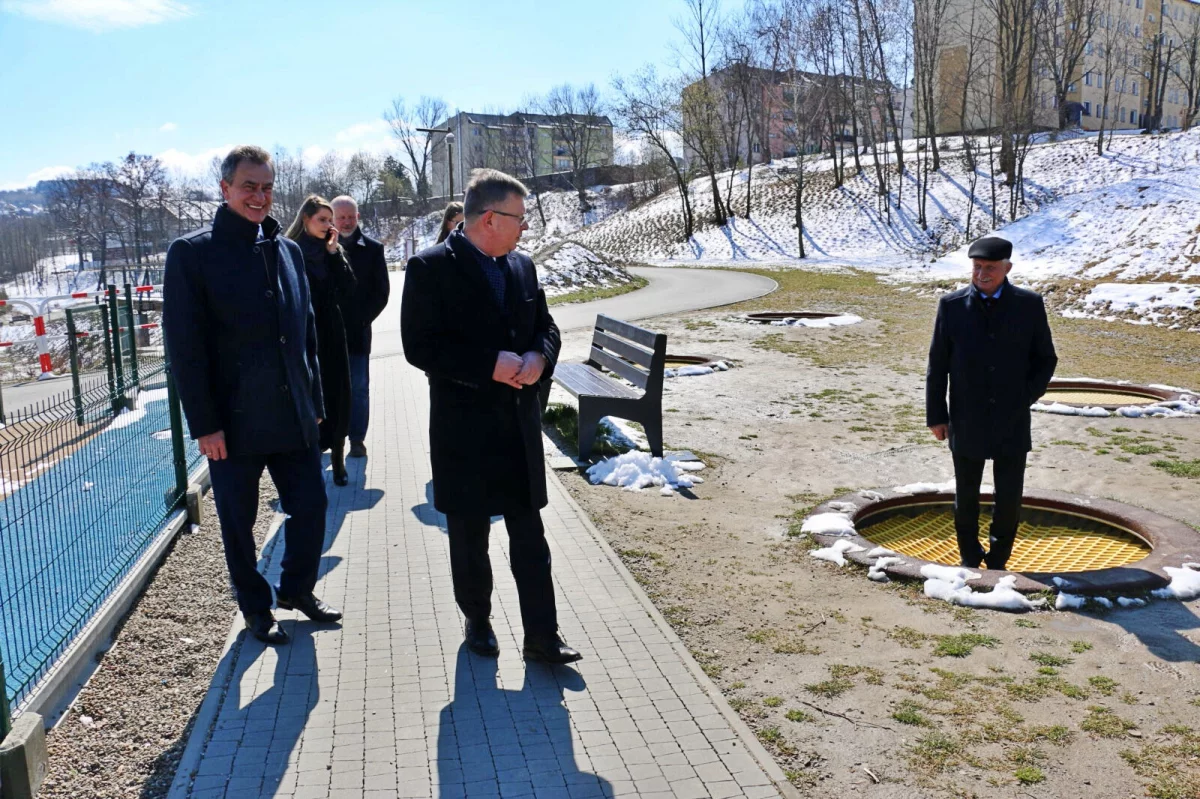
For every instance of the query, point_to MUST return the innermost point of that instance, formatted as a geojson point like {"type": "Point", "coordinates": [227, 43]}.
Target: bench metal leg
{"type": "Point", "coordinates": [654, 435]}
{"type": "Point", "coordinates": [589, 417]}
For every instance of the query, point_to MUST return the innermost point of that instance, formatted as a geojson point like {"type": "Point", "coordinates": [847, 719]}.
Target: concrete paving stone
{"type": "Point", "coordinates": [725, 790]}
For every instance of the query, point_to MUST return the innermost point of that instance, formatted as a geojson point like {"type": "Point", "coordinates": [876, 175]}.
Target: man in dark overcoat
{"type": "Point", "coordinates": [371, 290]}
{"type": "Point", "coordinates": [992, 343]}
{"type": "Point", "coordinates": [242, 348]}
{"type": "Point", "coordinates": [475, 321]}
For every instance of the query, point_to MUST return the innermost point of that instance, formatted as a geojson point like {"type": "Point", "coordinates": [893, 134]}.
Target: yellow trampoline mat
{"type": "Point", "coordinates": [1073, 396]}
{"type": "Point", "coordinates": [1056, 542]}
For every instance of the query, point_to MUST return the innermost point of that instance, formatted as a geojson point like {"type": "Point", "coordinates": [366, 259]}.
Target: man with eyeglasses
{"type": "Point", "coordinates": [474, 319]}
{"type": "Point", "coordinates": [992, 347]}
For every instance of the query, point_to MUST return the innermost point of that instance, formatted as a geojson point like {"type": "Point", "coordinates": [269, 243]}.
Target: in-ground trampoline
{"type": "Point", "coordinates": [1107, 395]}
{"type": "Point", "coordinates": [1095, 545]}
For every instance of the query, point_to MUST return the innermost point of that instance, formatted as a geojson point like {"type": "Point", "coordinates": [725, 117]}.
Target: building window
{"type": "Point", "coordinates": [1123, 115]}
{"type": "Point", "coordinates": [1087, 79]}
{"type": "Point", "coordinates": [1088, 48]}
{"type": "Point", "coordinates": [1135, 88]}
{"type": "Point", "coordinates": [1087, 108]}
{"type": "Point", "coordinates": [1070, 88]}
{"type": "Point", "coordinates": [1139, 3]}
{"type": "Point", "coordinates": [1099, 80]}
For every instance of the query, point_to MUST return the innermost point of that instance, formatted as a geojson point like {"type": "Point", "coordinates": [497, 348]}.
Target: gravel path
{"type": "Point", "coordinates": [127, 729]}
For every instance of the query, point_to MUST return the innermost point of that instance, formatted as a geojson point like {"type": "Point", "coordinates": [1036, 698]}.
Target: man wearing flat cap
{"type": "Point", "coordinates": [992, 346]}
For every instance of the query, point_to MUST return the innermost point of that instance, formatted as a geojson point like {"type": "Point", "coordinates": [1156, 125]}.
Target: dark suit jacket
{"type": "Point", "coordinates": [485, 438]}
{"type": "Point", "coordinates": [998, 362]}
{"type": "Point", "coordinates": [241, 338]}
{"type": "Point", "coordinates": [371, 290]}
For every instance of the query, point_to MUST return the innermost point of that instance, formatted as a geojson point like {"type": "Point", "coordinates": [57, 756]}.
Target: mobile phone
{"type": "Point", "coordinates": [329, 235]}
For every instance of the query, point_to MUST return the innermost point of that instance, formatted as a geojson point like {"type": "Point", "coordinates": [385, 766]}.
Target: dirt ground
{"type": "Point", "coordinates": [874, 690]}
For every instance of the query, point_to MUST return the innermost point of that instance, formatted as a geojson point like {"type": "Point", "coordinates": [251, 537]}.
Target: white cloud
{"type": "Point", "coordinates": [168, 127]}
{"type": "Point", "coordinates": [363, 130]}
{"type": "Point", "coordinates": [99, 15]}
{"type": "Point", "coordinates": [192, 164]}
{"type": "Point", "coordinates": [49, 173]}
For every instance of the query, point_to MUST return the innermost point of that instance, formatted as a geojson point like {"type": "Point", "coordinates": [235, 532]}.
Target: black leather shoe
{"type": "Point", "coordinates": [310, 606]}
{"type": "Point", "coordinates": [358, 449]}
{"type": "Point", "coordinates": [549, 649]}
{"type": "Point", "coordinates": [481, 639]}
{"type": "Point", "coordinates": [264, 627]}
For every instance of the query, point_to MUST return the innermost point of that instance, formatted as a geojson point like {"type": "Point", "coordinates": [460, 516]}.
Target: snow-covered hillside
{"type": "Point", "coordinates": [1132, 214]}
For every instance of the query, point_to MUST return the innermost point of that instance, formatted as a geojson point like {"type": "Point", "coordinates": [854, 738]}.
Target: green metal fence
{"type": "Point", "coordinates": [87, 479]}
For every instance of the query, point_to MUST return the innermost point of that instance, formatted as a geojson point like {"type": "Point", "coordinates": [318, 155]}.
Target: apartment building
{"type": "Point", "coordinates": [1138, 51]}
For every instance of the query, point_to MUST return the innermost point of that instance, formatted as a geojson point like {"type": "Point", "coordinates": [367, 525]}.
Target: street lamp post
{"type": "Point", "coordinates": [449, 151]}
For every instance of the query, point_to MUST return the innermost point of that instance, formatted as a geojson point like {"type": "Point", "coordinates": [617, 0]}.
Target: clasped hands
{"type": "Point", "coordinates": [519, 371]}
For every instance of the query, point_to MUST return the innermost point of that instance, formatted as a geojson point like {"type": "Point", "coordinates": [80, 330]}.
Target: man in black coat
{"type": "Point", "coordinates": [371, 290]}
{"type": "Point", "coordinates": [241, 342]}
{"type": "Point", "coordinates": [475, 321]}
{"type": "Point", "coordinates": [992, 342]}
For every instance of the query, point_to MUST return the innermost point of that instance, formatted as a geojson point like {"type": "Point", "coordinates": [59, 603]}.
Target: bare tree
{"type": "Point", "coordinates": [362, 176]}
{"type": "Point", "coordinates": [701, 100]}
{"type": "Point", "coordinates": [137, 179]}
{"type": "Point", "coordinates": [291, 182]}
{"type": "Point", "coordinates": [330, 176]}
{"type": "Point", "coordinates": [803, 100]}
{"type": "Point", "coordinates": [1185, 26]}
{"type": "Point", "coordinates": [742, 88]}
{"type": "Point", "coordinates": [404, 120]}
{"type": "Point", "coordinates": [1064, 36]}
{"type": "Point", "coordinates": [577, 131]}
{"type": "Point", "coordinates": [102, 212]}
{"type": "Point", "coordinates": [928, 42]}
{"type": "Point", "coordinates": [650, 107]}
{"type": "Point", "coordinates": [67, 202]}
{"type": "Point", "coordinates": [1116, 49]}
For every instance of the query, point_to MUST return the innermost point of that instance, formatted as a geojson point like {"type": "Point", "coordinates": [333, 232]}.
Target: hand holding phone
{"type": "Point", "coordinates": [331, 237]}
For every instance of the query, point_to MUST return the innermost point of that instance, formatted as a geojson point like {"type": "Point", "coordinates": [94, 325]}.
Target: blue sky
{"type": "Point", "coordinates": [90, 80]}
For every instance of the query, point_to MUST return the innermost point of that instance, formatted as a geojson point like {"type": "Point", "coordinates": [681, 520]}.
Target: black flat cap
{"type": "Point", "coordinates": [991, 248]}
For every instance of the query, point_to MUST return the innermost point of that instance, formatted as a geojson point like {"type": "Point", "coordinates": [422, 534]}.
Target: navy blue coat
{"type": "Point", "coordinates": [241, 337]}
{"type": "Point", "coordinates": [998, 362]}
{"type": "Point", "coordinates": [485, 438]}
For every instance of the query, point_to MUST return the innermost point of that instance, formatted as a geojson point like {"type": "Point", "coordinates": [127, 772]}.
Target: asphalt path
{"type": "Point", "coordinates": [671, 290]}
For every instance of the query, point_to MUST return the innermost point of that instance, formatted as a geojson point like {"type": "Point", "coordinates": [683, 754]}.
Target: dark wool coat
{"type": "Point", "coordinates": [241, 338]}
{"type": "Point", "coordinates": [998, 362]}
{"type": "Point", "coordinates": [485, 439]}
{"type": "Point", "coordinates": [332, 284]}
{"type": "Point", "coordinates": [371, 290]}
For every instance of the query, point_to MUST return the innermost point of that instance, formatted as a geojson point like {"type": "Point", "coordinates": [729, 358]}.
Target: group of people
{"type": "Point", "coordinates": [268, 336]}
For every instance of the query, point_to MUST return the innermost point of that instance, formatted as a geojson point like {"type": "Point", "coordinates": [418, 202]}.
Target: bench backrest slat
{"type": "Point", "coordinates": [630, 352]}
{"type": "Point", "coordinates": [638, 335]}
{"type": "Point", "coordinates": [636, 354]}
{"type": "Point", "coordinates": [612, 363]}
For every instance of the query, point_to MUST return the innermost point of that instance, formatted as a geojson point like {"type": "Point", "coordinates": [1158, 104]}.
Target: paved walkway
{"type": "Point", "coordinates": [390, 704]}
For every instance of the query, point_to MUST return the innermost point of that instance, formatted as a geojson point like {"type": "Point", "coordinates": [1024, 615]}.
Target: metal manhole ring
{"type": "Point", "coordinates": [674, 361]}
{"type": "Point", "coordinates": [779, 316]}
{"type": "Point", "coordinates": [1169, 542]}
{"type": "Point", "coordinates": [1107, 395]}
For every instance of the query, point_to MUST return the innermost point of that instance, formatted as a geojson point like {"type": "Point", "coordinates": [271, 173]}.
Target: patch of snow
{"type": "Point", "coordinates": [622, 434]}
{"type": "Point", "coordinates": [634, 471]}
{"type": "Point", "coordinates": [693, 370]}
{"type": "Point", "coordinates": [924, 488]}
{"type": "Point", "coordinates": [1068, 410]}
{"type": "Point", "coordinates": [828, 321]}
{"type": "Point", "coordinates": [878, 570]}
{"type": "Point", "coordinates": [836, 553]}
{"type": "Point", "coordinates": [1184, 585]}
{"type": "Point", "coordinates": [828, 524]}
{"type": "Point", "coordinates": [842, 507]}
{"type": "Point", "coordinates": [128, 417]}
{"type": "Point", "coordinates": [1127, 602]}
{"type": "Point", "coordinates": [1069, 601]}
{"type": "Point", "coordinates": [1003, 597]}
{"type": "Point", "coordinates": [88, 485]}
{"type": "Point", "coordinates": [881, 552]}
{"type": "Point", "coordinates": [948, 574]}
{"type": "Point", "coordinates": [872, 496]}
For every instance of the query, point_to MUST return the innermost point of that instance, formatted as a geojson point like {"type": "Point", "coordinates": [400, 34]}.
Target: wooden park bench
{"type": "Point", "coordinates": [627, 351]}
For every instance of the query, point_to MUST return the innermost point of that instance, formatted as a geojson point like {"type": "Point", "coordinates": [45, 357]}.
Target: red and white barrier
{"type": "Point", "coordinates": [39, 321]}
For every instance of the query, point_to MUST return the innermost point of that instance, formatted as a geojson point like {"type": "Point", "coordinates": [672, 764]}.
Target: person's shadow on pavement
{"type": "Point", "coordinates": [493, 741]}
{"type": "Point", "coordinates": [275, 719]}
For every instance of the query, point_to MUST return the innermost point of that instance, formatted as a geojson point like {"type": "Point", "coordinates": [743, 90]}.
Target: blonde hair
{"type": "Point", "coordinates": [308, 209]}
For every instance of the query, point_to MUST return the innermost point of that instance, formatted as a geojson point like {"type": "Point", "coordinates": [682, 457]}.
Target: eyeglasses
{"type": "Point", "coordinates": [519, 217]}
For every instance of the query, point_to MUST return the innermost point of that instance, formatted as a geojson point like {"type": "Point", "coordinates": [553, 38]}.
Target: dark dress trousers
{"type": "Point", "coordinates": [485, 438]}
{"type": "Point", "coordinates": [997, 357]}
{"type": "Point", "coordinates": [331, 284]}
{"type": "Point", "coordinates": [241, 342]}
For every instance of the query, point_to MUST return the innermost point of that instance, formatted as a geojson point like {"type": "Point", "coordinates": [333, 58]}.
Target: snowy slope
{"type": "Point", "coordinates": [1133, 214]}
